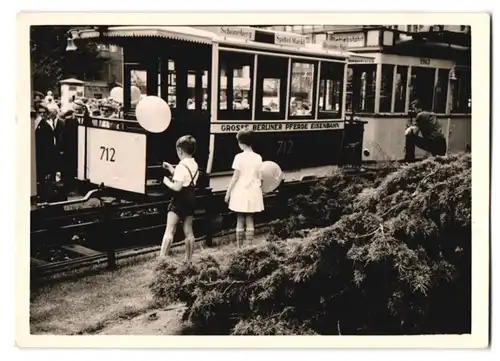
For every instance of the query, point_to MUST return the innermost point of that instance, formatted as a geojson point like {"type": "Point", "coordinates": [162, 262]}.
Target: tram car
{"type": "Point", "coordinates": [431, 66]}
{"type": "Point", "coordinates": [216, 82]}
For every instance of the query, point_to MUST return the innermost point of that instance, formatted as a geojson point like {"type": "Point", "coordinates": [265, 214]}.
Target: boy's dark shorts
{"type": "Point", "coordinates": [183, 206]}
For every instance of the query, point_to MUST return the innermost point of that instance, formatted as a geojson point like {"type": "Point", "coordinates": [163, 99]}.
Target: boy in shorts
{"type": "Point", "coordinates": [182, 206]}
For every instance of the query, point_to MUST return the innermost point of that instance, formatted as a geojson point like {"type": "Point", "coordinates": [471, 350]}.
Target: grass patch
{"type": "Point", "coordinates": [86, 305]}
{"type": "Point", "coordinates": [112, 302]}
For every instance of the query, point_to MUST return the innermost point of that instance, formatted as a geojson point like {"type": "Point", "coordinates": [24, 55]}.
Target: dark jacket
{"type": "Point", "coordinates": [46, 151]}
{"type": "Point", "coordinates": [429, 125]}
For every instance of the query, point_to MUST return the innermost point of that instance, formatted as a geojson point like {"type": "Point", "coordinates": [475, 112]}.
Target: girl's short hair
{"type": "Point", "coordinates": [245, 136]}
{"type": "Point", "coordinates": [187, 144]}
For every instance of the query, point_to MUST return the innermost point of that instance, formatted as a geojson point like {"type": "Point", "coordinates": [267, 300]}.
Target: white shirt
{"type": "Point", "coordinates": [37, 121]}
{"type": "Point", "coordinates": [248, 163]}
{"type": "Point", "coordinates": [181, 174]}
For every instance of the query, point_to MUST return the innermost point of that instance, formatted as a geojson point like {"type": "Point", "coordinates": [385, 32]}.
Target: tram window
{"type": "Point", "coordinates": [461, 92]}
{"type": "Point", "coordinates": [349, 98]}
{"type": "Point", "coordinates": [159, 84]}
{"type": "Point", "coordinates": [272, 74]}
{"type": "Point", "coordinates": [330, 90]}
{"type": "Point", "coordinates": [361, 88]}
{"type": "Point", "coordinates": [138, 79]}
{"type": "Point", "coordinates": [171, 85]}
{"type": "Point", "coordinates": [441, 91]}
{"type": "Point", "coordinates": [400, 89]}
{"type": "Point", "coordinates": [271, 95]}
{"type": "Point", "coordinates": [235, 85]}
{"type": "Point", "coordinates": [191, 101]}
{"type": "Point", "coordinates": [422, 86]}
{"type": "Point", "coordinates": [204, 104]}
{"type": "Point", "coordinates": [386, 88]}
{"type": "Point", "coordinates": [194, 86]}
{"type": "Point", "coordinates": [302, 90]}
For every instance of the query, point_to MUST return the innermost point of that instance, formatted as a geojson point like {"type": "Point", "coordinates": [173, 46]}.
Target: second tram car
{"type": "Point", "coordinates": [431, 67]}
{"type": "Point", "coordinates": [217, 82]}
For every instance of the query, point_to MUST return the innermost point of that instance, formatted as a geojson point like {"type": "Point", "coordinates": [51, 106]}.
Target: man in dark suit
{"type": "Point", "coordinates": [66, 131]}
{"type": "Point", "coordinates": [58, 124]}
{"type": "Point", "coordinates": [46, 153]}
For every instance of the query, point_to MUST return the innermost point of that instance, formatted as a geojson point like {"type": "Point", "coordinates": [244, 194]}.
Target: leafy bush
{"type": "Point", "coordinates": [396, 262]}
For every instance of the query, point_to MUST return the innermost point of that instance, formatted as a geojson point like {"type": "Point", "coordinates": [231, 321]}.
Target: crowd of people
{"type": "Point", "coordinates": [56, 133]}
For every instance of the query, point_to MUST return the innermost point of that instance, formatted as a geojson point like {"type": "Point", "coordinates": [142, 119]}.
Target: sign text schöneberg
{"type": "Point", "coordinates": [248, 34]}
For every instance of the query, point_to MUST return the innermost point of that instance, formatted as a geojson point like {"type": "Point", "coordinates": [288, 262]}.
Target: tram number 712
{"type": "Point", "coordinates": [107, 154]}
{"type": "Point", "coordinates": [284, 147]}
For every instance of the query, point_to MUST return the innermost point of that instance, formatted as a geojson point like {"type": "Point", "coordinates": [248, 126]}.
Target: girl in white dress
{"type": "Point", "coordinates": [244, 193]}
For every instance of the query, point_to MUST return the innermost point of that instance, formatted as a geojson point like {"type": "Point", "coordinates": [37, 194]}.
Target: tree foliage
{"type": "Point", "coordinates": [50, 62]}
{"type": "Point", "coordinates": [395, 259]}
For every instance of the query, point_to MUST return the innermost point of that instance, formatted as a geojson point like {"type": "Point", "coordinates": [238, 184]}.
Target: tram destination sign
{"type": "Point", "coordinates": [356, 40]}
{"type": "Point", "coordinates": [334, 45]}
{"type": "Point", "coordinates": [237, 32]}
{"type": "Point", "coordinates": [277, 127]}
{"type": "Point", "coordinates": [295, 40]}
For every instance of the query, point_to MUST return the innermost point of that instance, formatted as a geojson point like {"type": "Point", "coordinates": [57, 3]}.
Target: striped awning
{"type": "Point", "coordinates": [183, 33]}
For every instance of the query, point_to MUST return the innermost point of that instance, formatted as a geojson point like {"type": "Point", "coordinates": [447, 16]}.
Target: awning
{"type": "Point", "coordinates": [183, 33]}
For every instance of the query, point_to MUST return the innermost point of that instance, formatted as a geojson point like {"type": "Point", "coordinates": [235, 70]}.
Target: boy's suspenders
{"type": "Point", "coordinates": [191, 174]}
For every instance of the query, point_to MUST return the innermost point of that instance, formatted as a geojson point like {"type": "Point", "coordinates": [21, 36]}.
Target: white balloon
{"type": "Point", "coordinates": [135, 102]}
{"type": "Point", "coordinates": [117, 94]}
{"type": "Point", "coordinates": [135, 93]}
{"type": "Point", "coordinates": [272, 175]}
{"type": "Point", "coordinates": [153, 114]}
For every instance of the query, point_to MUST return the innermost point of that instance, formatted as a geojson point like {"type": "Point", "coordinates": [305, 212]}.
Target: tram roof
{"type": "Point", "coordinates": [197, 35]}
{"type": "Point", "coordinates": [184, 33]}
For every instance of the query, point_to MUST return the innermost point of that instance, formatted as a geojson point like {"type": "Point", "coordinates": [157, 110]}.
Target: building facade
{"type": "Point", "coordinates": [110, 74]}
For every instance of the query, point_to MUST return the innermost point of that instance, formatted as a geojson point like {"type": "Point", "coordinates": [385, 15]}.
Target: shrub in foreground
{"type": "Point", "coordinates": [322, 206]}
{"type": "Point", "coordinates": [397, 263]}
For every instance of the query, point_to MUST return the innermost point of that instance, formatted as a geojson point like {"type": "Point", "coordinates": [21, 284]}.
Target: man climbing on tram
{"type": "Point", "coordinates": [432, 138]}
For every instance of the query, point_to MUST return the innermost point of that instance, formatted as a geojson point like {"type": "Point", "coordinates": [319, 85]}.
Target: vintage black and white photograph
{"type": "Point", "coordinates": [253, 180]}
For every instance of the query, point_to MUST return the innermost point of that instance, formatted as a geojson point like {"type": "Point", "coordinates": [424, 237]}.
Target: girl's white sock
{"type": "Point", "coordinates": [240, 235]}
{"type": "Point", "coordinates": [249, 234]}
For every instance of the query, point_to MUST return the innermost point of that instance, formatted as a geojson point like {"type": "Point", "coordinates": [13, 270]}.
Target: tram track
{"type": "Point", "coordinates": [91, 238]}
{"type": "Point", "coordinates": [77, 266]}
{"type": "Point", "coordinates": [67, 243]}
